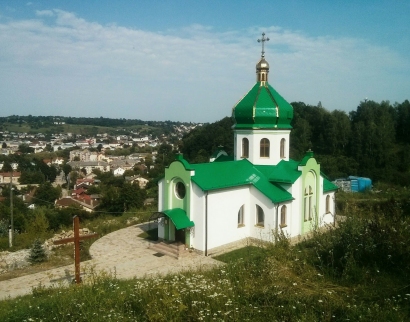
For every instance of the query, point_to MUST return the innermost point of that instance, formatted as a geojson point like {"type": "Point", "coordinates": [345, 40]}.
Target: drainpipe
{"type": "Point", "coordinates": [206, 224]}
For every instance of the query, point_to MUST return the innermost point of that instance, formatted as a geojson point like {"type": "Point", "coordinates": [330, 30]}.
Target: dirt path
{"type": "Point", "coordinates": [121, 254]}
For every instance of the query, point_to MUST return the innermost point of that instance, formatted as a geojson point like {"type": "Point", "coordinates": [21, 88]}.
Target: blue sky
{"type": "Point", "coordinates": [193, 60]}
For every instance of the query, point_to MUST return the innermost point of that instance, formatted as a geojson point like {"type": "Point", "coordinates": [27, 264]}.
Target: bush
{"type": "Point", "coordinates": [37, 253]}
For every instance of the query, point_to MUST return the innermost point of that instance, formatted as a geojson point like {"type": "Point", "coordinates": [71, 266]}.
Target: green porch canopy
{"type": "Point", "coordinates": [178, 216]}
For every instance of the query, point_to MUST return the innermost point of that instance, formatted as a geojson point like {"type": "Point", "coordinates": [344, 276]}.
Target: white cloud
{"type": "Point", "coordinates": [66, 65]}
{"type": "Point", "coordinates": [45, 13]}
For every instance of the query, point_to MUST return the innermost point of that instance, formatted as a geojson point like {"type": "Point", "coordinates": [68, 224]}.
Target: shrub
{"type": "Point", "coordinates": [37, 253]}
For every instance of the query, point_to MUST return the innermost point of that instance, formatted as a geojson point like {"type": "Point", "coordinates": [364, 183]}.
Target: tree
{"type": "Point", "coordinates": [46, 195]}
{"type": "Point", "coordinates": [132, 196]}
{"type": "Point", "coordinates": [66, 169]}
{"type": "Point", "coordinates": [38, 224]}
{"type": "Point", "coordinates": [24, 148]}
{"type": "Point", "coordinates": [4, 145]}
{"type": "Point", "coordinates": [30, 177]}
{"type": "Point", "coordinates": [37, 253]}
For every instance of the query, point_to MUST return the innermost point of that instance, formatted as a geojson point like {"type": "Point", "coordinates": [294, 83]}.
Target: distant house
{"type": "Point", "coordinates": [6, 177]}
{"type": "Point", "coordinates": [118, 172]}
{"type": "Point", "coordinates": [142, 182]}
{"type": "Point", "coordinates": [58, 161]}
{"type": "Point", "coordinates": [89, 166]}
{"type": "Point", "coordinates": [87, 205]}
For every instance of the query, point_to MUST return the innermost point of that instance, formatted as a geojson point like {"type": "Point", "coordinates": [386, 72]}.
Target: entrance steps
{"type": "Point", "coordinates": [175, 250]}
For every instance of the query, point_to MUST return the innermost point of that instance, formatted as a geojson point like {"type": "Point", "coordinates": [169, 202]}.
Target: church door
{"type": "Point", "coordinates": [180, 235]}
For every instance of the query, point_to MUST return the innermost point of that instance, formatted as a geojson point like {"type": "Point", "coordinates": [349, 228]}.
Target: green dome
{"type": "Point", "coordinates": [262, 108]}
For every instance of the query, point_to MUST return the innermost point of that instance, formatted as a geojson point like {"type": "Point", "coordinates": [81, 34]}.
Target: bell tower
{"type": "Point", "coordinates": [262, 120]}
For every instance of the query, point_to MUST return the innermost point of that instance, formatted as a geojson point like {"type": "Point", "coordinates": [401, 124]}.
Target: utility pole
{"type": "Point", "coordinates": [11, 233]}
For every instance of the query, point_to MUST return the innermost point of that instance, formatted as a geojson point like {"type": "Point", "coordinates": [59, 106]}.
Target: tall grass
{"type": "Point", "coordinates": [358, 272]}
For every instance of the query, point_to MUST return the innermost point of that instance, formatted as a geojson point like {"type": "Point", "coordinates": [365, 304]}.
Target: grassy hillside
{"type": "Point", "coordinates": [358, 272]}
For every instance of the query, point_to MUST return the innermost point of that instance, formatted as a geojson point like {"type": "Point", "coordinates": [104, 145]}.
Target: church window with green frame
{"type": "Point", "coordinates": [180, 190]}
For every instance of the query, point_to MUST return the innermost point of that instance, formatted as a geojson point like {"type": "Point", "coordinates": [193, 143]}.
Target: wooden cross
{"type": "Point", "coordinates": [76, 239]}
{"type": "Point", "coordinates": [263, 43]}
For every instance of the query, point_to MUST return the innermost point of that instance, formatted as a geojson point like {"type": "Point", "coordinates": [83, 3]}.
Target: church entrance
{"type": "Point", "coordinates": [180, 235]}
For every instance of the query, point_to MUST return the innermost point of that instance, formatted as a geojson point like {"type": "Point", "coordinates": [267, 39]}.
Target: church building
{"type": "Point", "coordinates": [255, 193]}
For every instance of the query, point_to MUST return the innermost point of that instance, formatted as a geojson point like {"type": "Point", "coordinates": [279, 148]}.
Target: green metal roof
{"type": "Point", "coordinates": [308, 155]}
{"type": "Point", "coordinates": [262, 107]}
{"type": "Point", "coordinates": [179, 218]}
{"type": "Point", "coordinates": [224, 158]}
{"type": "Point", "coordinates": [221, 175]}
{"type": "Point", "coordinates": [329, 186]}
{"type": "Point", "coordinates": [283, 172]}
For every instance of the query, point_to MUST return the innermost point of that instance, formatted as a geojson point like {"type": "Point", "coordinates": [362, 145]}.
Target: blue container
{"type": "Point", "coordinates": [360, 184]}
{"type": "Point", "coordinates": [364, 184]}
{"type": "Point", "coordinates": [354, 185]}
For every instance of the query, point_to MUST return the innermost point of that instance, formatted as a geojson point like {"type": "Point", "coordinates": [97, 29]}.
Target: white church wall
{"type": "Point", "coordinates": [327, 218]}
{"type": "Point", "coordinates": [287, 230]}
{"type": "Point", "coordinates": [223, 207]}
{"type": "Point", "coordinates": [264, 233]}
{"type": "Point", "coordinates": [197, 212]}
{"type": "Point", "coordinates": [255, 137]}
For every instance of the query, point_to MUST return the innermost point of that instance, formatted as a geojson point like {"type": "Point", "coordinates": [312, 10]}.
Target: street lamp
{"type": "Point", "coordinates": [11, 231]}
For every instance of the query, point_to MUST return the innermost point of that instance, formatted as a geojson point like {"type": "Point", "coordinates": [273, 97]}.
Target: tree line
{"type": "Point", "coordinates": [372, 141]}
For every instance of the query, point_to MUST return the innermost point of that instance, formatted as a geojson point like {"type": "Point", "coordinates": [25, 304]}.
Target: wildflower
{"type": "Point", "coordinates": [320, 301]}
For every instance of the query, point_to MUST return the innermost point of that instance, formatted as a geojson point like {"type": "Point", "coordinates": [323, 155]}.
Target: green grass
{"type": "Point", "coordinates": [248, 253]}
{"type": "Point", "coordinates": [358, 272]}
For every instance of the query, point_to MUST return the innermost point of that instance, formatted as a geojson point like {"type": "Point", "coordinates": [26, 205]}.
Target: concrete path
{"type": "Point", "coordinates": [121, 254]}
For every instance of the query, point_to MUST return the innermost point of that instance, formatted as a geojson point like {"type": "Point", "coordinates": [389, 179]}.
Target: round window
{"type": "Point", "coordinates": [180, 190]}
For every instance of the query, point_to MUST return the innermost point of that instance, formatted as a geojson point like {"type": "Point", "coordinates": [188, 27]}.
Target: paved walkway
{"type": "Point", "coordinates": [121, 253]}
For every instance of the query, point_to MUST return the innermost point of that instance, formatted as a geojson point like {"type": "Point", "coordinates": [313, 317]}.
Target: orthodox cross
{"type": "Point", "coordinates": [263, 43]}
{"type": "Point", "coordinates": [76, 239]}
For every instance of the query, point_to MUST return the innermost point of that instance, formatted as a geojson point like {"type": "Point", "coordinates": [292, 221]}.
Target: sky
{"type": "Point", "coordinates": [191, 61]}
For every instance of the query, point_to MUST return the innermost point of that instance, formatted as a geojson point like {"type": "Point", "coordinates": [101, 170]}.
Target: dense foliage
{"type": "Point", "coordinates": [198, 145]}
{"type": "Point", "coordinates": [372, 141]}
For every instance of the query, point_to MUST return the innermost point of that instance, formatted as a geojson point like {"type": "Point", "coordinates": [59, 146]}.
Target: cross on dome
{"type": "Point", "coordinates": [262, 40]}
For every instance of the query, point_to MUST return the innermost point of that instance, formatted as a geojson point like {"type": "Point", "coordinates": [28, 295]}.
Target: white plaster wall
{"type": "Point", "coordinates": [254, 137]}
{"type": "Point", "coordinates": [265, 233]}
{"type": "Point", "coordinates": [223, 207]}
{"type": "Point", "coordinates": [288, 230]}
{"type": "Point", "coordinates": [197, 211]}
{"type": "Point", "coordinates": [328, 218]}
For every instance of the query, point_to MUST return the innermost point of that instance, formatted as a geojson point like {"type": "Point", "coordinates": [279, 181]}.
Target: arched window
{"type": "Point", "coordinates": [241, 214]}
{"type": "Point", "coordinates": [327, 204]}
{"type": "Point", "coordinates": [282, 148]}
{"type": "Point", "coordinates": [245, 148]}
{"type": "Point", "coordinates": [264, 148]}
{"type": "Point", "coordinates": [308, 203]}
{"type": "Point", "coordinates": [283, 217]}
{"type": "Point", "coordinates": [260, 216]}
